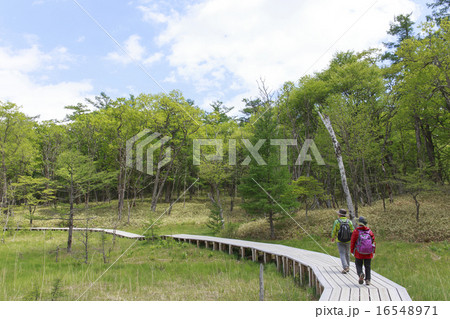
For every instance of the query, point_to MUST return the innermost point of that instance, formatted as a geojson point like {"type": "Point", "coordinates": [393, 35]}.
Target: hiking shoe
{"type": "Point", "coordinates": [367, 282]}
{"type": "Point", "coordinates": [343, 272]}
{"type": "Point", "coordinates": [361, 279]}
{"type": "Point", "coordinates": [347, 270]}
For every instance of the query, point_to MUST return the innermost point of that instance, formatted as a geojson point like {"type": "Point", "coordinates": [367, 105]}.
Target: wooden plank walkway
{"type": "Point", "coordinates": [118, 233]}
{"type": "Point", "coordinates": [318, 270]}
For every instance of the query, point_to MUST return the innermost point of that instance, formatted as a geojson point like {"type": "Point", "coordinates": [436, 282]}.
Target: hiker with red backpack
{"type": "Point", "coordinates": [342, 232]}
{"type": "Point", "coordinates": [363, 247]}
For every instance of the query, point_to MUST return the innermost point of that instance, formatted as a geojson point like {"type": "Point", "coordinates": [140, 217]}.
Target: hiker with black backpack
{"type": "Point", "coordinates": [363, 248]}
{"type": "Point", "coordinates": [342, 233]}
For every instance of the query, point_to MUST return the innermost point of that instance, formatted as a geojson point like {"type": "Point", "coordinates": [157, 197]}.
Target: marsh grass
{"type": "Point", "coordinates": [415, 255]}
{"type": "Point", "coordinates": [151, 270]}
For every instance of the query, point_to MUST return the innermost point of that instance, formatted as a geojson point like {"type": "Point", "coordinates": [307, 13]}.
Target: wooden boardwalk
{"type": "Point", "coordinates": [118, 233]}
{"type": "Point", "coordinates": [318, 270]}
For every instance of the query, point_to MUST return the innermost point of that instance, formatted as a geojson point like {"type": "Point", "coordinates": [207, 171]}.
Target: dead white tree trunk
{"type": "Point", "coordinates": [337, 150]}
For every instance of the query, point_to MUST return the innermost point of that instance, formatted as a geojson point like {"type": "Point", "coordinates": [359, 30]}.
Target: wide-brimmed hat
{"type": "Point", "coordinates": [362, 221]}
{"type": "Point", "coordinates": [342, 212]}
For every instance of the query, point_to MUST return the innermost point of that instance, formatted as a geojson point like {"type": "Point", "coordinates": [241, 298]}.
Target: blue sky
{"type": "Point", "coordinates": [53, 54]}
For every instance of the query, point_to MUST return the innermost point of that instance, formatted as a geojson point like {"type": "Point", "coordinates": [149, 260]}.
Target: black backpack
{"type": "Point", "coordinates": [344, 234]}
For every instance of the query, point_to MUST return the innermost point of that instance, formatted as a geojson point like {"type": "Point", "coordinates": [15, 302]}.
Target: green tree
{"type": "Point", "coordinates": [441, 11]}
{"type": "Point", "coordinates": [33, 191]}
{"type": "Point", "coordinates": [18, 149]}
{"type": "Point", "coordinates": [216, 172]}
{"type": "Point", "coordinates": [266, 187]}
{"type": "Point", "coordinates": [75, 171]}
{"type": "Point", "coordinates": [423, 90]}
{"type": "Point", "coordinates": [416, 184]}
{"type": "Point", "coordinates": [402, 29]}
{"type": "Point", "coordinates": [308, 189]}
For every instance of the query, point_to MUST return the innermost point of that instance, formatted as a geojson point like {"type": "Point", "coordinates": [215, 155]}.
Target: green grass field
{"type": "Point", "coordinates": [415, 255]}
{"type": "Point", "coordinates": [150, 270]}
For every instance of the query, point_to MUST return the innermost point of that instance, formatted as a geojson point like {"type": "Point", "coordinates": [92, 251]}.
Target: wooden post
{"type": "Point", "coordinates": [253, 254]}
{"type": "Point", "coordinates": [265, 258]}
{"type": "Point", "coordinates": [242, 252]}
{"type": "Point", "coordinates": [317, 285]}
{"type": "Point", "coordinates": [294, 270]}
{"type": "Point", "coordinates": [261, 282]}
{"type": "Point", "coordinates": [206, 244]}
{"type": "Point", "coordinates": [302, 272]}
{"type": "Point", "coordinates": [214, 245]}
{"type": "Point", "coordinates": [190, 241]}
{"type": "Point", "coordinates": [198, 243]}
{"type": "Point", "coordinates": [283, 259]}
{"type": "Point", "coordinates": [310, 273]}
{"type": "Point", "coordinates": [220, 246]}
{"type": "Point", "coordinates": [230, 249]}
{"type": "Point", "coordinates": [278, 260]}
{"type": "Point", "coordinates": [288, 266]}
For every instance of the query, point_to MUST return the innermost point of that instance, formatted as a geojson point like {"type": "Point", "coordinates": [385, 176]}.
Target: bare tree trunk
{"type": "Point", "coordinates": [418, 141]}
{"type": "Point", "coordinates": [417, 206]}
{"type": "Point", "coordinates": [272, 229]}
{"type": "Point", "coordinates": [171, 202]}
{"type": "Point", "coordinates": [4, 203]}
{"type": "Point", "coordinates": [167, 192]}
{"type": "Point", "coordinates": [157, 189]}
{"type": "Point", "coordinates": [129, 204]}
{"type": "Point", "coordinates": [184, 190]}
{"type": "Point", "coordinates": [219, 203]}
{"type": "Point", "coordinates": [105, 260]}
{"type": "Point", "coordinates": [121, 191]}
{"type": "Point", "coordinates": [367, 183]}
{"type": "Point", "coordinates": [86, 242]}
{"type": "Point", "coordinates": [86, 197]}
{"type": "Point", "coordinates": [69, 239]}
{"type": "Point", "coordinates": [337, 150]}
{"type": "Point", "coordinates": [429, 145]}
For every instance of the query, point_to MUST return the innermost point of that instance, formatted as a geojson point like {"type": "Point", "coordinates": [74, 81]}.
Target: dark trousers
{"type": "Point", "coordinates": [359, 263]}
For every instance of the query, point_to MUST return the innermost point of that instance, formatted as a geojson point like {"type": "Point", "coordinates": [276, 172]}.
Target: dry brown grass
{"type": "Point", "coordinates": [398, 222]}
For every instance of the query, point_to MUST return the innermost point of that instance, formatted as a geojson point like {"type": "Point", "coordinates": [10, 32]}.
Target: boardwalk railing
{"type": "Point", "coordinates": [318, 270]}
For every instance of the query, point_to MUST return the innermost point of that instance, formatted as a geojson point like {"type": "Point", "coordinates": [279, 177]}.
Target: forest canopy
{"type": "Point", "coordinates": [390, 112]}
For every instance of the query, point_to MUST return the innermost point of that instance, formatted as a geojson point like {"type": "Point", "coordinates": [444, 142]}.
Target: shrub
{"type": "Point", "coordinates": [258, 229]}
{"type": "Point", "coordinates": [229, 231]}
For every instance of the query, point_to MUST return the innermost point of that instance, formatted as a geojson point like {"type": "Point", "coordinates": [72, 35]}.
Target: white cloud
{"type": "Point", "coordinates": [170, 78]}
{"type": "Point", "coordinates": [22, 77]}
{"type": "Point", "coordinates": [152, 14]}
{"type": "Point", "coordinates": [153, 58]}
{"type": "Point", "coordinates": [230, 44]}
{"type": "Point", "coordinates": [134, 52]}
